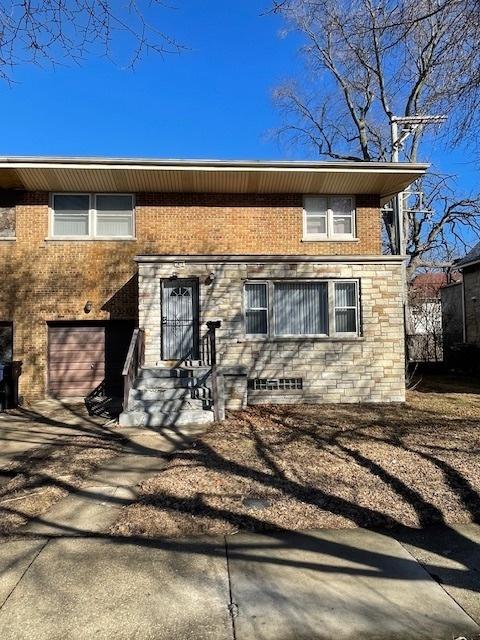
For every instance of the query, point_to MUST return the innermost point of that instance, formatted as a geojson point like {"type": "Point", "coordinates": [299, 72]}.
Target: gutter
{"type": "Point", "coordinates": [466, 264]}
{"type": "Point", "coordinates": [45, 162]}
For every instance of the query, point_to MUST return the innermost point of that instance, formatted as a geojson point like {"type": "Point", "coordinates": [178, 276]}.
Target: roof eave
{"type": "Point", "coordinates": [170, 163]}
{"type": "Point", "coordinates": [470, 263]}
{"type": "Point", "coordinates": [182, 176]}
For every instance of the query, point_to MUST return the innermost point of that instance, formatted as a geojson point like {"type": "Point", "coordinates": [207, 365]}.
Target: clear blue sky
{"type": "Point", "coordinates": [212, 101]}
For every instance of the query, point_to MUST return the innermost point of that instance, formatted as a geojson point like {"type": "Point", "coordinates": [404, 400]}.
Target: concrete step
{"type": "Point", "coordinates": [167, 406]}
{"type": "Point", "coordinates": [160, 419]}
{"type": "Point", "coordinates": [168, 393]}
{"type": "Point", "coordinates": [194, 365]}
{"type": "Point", "coordinates": [152, 373]}
{"type": "Point", "coordinates": [185, 382]}
{"type": "Point", "coordinates": [159, 394]}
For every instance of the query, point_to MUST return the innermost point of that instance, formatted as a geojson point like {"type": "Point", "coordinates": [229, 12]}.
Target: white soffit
{"type": "Point", "coordinates": [206, 176]}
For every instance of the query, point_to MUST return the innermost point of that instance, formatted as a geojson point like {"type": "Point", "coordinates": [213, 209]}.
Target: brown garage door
{"type": "Point", "coordinates": [83, 356]}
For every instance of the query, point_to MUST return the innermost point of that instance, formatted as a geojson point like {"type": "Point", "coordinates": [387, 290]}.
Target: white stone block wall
{"type": "Point", "coordinates": [369, 368]}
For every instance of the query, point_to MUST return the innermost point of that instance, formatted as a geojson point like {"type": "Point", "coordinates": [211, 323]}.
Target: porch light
{"type": "Point", "coordinates": [88, 306]}
{"type": "Point", "coordinates": [210, 278]}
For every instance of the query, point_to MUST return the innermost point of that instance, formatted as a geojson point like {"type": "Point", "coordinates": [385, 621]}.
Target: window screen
{"type": "Point", "coordinates": [114, 215]}
{"type": "Point", "coordinates": [71, 215]}
{"type": "Point", "coordinates": [316, 215]}
{"type": "Point", "coordinates": [342, 222]}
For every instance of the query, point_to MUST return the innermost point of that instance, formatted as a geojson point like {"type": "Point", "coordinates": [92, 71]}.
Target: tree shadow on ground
{"type": "Point", "coordinates": [336, 432]}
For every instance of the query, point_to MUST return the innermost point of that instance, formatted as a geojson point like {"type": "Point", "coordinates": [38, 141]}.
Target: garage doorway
{"type": "Point", "coordinates": [85, 357]}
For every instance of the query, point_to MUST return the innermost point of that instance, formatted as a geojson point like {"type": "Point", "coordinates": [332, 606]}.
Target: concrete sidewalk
{"type": "Point", "coordinates": [344, 584]}
{"type": "Point", "coordinates": [94, 506]}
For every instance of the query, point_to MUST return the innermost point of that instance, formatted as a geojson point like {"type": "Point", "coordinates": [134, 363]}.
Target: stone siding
{"type": "Point", "coordinates": [369, 368]}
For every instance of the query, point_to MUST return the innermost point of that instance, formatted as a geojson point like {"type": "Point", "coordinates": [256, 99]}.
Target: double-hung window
{"type": "Point", "coordinates": [290, 308]}
{"type": "Point", "coordinates": [256, 310]}
{"type": "Point", "coordinates": [346, 307]}
{"type": "Point", "coordinates": [86, 215]}
{"type": "Point", "coordinates": [328, 218]}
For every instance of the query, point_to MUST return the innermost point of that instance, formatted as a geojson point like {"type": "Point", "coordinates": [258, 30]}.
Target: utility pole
{"type": "Point", "coordinates": [400, 129]}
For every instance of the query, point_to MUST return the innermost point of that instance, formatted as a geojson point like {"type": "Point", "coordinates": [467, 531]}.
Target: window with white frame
{"type": "Point", "coordinates": [85, 215]}
{"type": "Point", "coordinates": [328, 217]}
{"type": "Point", "coordinates": [256, 309]}
{"type": "Point", "coordinates": [346, 307]}
{"type": "Point", "coordinates": [318, 308]}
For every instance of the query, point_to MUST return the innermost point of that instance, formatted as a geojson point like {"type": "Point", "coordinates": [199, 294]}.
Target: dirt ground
{"type": "Point", "coordinates": [316, 466]}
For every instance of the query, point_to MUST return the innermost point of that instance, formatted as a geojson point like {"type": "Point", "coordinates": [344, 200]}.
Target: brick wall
{"type": "Point", "coordinates": [52, 280]}
{"type": "Point", "coordinates": [217, 223]}
{"type": "Point", "coordinates": [369, 368]}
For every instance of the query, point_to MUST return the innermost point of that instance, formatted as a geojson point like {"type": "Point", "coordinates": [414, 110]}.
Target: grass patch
{"type": "Point", "coordinates": [322, 466]}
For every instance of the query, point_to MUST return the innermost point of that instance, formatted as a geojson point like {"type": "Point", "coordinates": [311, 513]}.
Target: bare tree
{"type": "Point", "coordinates": [367, 61]}
{"type": "Point", "coordinates": [61, 31]}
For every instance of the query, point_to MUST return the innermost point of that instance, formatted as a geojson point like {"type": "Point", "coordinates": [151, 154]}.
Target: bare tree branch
{"type": "Point", "coordinates": [368, 60]}
{"type": "Point", "coordinates": [61, 31]}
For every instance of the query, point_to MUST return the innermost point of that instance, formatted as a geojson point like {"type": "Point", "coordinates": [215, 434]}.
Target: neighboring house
{"type": "Point", "coordinates": [425, 305]}
{"type": "Point", "coordinates": [461, 315]}
{"type": "Point", "coordinates": [287, 256]}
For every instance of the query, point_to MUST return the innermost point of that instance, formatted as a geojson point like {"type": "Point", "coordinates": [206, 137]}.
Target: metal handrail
{"type": "Point", "coordinates": [133, 362]}
{"type": "Point", "coordinates": [209, 356]}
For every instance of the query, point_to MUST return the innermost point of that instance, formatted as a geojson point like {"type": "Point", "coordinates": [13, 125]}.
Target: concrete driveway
{"type": "Point", "coordinates": [45, 422]}
{"type": "Point", "coordinates": [328, 584]}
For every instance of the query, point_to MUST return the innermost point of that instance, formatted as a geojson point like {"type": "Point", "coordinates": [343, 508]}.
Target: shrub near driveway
{"type": "Point", "coordinates": [311, 466]}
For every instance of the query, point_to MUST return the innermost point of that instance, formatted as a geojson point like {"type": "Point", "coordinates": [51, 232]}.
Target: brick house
{"type": "Point", "coordinates": [286, 255]}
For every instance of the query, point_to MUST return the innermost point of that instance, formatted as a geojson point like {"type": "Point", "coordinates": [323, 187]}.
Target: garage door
{"type": "Point", "coordinates": [83, 356]}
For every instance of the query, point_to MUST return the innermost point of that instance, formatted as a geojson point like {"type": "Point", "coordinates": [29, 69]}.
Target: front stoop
{"type": "Point", "coordinates": [168, 397]}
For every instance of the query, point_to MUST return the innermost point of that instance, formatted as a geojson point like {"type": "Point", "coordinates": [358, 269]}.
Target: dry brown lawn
{"type": "Point", "coordinates": [323, 466]}
{"type": "Point", "coordinates": [41, 477]}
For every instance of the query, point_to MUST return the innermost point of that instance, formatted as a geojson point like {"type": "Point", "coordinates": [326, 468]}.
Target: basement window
{"type": "Point", "coordinates": [275, 384]}
{"type": "Point", "coordinates": [85, 216]}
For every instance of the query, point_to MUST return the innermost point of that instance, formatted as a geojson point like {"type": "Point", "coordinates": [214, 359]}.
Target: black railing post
{"type": "Point", "coordinates": [213, 325]}
{"type": "Point", "coordinates": [218, 387]}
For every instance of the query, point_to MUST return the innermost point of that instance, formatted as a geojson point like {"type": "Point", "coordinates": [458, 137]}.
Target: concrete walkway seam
{"type": "Point", "coordinates": [439, 583]}
{"type": "Point", "coordinates": [24, 573]}
{"type": "Point", "coordinates": [232, 606]}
